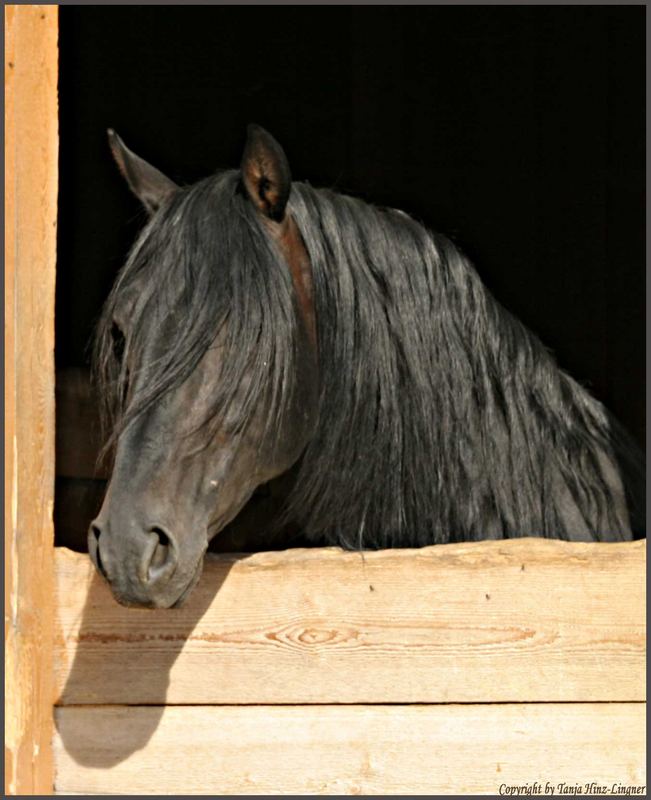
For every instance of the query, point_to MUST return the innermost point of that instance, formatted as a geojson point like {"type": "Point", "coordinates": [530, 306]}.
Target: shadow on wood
{"type": "Point", "coordinates": [133, 633]}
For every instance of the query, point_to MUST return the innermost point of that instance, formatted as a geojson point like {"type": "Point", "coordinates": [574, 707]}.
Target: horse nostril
{"type": "Point", "coordinates": [94, 533]}
{"type": "Point", "coordinates": [163, 556]}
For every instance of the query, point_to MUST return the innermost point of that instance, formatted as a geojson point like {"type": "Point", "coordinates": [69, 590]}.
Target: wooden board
{"type": "Point", "coordinates": [523, 620]}
{"type": "Point", "coordinates": [31, 164]}
{"type": "Point", "coordinates": [339, 750]}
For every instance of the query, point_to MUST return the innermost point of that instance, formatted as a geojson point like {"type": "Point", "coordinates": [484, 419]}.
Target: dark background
{"type": "Point", "coordinates": [519, 131]}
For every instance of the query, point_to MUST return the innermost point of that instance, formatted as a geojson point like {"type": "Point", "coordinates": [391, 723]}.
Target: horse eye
{"type": "Point", "coordinates": [118, 342]}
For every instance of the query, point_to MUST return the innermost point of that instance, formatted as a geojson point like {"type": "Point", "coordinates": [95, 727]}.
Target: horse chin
{"type": "Point", "coordinates": [188, 589]}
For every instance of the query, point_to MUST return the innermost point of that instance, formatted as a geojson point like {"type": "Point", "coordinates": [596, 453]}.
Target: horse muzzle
{"type": "Point", "coordinates": [142, 565]}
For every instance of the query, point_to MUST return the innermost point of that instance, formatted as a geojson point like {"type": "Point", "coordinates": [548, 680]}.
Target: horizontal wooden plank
{"type": "Point", "coordinates": [522, 620]}
{"type": "Point", "coordinates": [340, 750]}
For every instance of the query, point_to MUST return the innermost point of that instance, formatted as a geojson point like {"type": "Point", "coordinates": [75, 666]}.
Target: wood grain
{"type": "Point", "coordinates": [524, 620]}
{"type": "Point", "coordinates": [31, 152]}
{"type": "Point", "coordinates": [342, 750]}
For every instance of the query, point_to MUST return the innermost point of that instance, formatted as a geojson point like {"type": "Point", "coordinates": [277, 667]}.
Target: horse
{"type": "Point", "coordinates": [260, 326]}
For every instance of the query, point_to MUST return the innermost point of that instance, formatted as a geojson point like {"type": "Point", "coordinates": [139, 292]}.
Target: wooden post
{"type": "Point", "coordinates": [31, 171]}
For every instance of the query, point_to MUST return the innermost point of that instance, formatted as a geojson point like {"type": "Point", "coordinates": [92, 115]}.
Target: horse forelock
{"type": "Point", "coordinates": [203, 262]}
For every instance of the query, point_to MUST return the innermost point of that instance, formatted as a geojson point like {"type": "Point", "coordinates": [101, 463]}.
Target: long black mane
{"type": "Point", "coordinates": [437, 409]}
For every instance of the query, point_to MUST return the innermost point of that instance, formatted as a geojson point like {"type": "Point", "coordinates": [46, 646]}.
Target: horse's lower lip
{"type": "Point", "coordinates": [186, 592]}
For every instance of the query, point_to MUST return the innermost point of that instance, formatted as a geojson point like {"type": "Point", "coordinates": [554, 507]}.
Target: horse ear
{"type": "Point", "coordinates": [149, 185]}
{"type": "Point", "coordinates": [265, 173]}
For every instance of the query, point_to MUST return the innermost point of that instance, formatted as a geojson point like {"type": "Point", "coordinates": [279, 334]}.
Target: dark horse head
{"type": "Point", "coordinates": [260, 323]}
{"type": "Point", "coordinates": [206, 353]}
